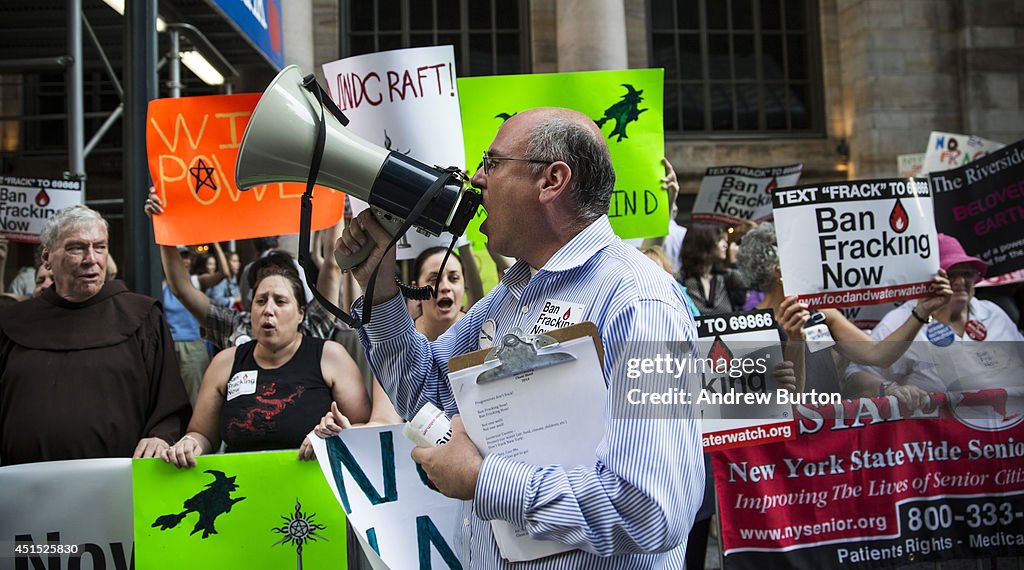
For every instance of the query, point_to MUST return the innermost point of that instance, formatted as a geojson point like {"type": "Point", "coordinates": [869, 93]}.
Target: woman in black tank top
{"type": "Point", "coordinates": [270, 392]}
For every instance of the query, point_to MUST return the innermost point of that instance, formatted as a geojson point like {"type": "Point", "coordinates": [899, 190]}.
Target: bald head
{"type": "Point", "coordinates": [543, 114]}
{"type": "Point", "coordinates": [557, 134]}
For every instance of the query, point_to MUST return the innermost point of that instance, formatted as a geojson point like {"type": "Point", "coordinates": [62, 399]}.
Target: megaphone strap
{"type": "Point", "coordinates": [306, 211]}
{"type": "Point", "coordinates": [414, 214]}
{"type": "Point", "coordinates": [312, 273]}
{"type": "Point", "coordinates": [309, 82]}
{"type": "Point", "coordinates": [426, 292]}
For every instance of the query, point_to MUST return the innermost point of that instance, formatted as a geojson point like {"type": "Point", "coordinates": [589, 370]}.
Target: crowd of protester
{"type": "Point", "coordinates": [132, 368]}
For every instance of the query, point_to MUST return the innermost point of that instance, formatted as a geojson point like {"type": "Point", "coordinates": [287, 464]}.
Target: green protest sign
{"type": "Point", "coordinates": [627, 105]}
{"type": "Point", "coordinates": [242, 510]}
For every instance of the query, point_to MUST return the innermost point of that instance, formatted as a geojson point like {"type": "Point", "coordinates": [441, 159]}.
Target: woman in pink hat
{"type": "Point", "coordinates": [945, 355]}
{"type": "Point", "coordinates": [964, 272]}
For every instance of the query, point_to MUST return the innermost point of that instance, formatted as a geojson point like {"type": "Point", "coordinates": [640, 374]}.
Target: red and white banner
{"type": "Point", "coordinates": [864, 242]}
{"type": "Point", "coordinates": [736, 194]}
{"type": "Point", "coordinates": [867, 484]}
{"type": "Point", "coordinates": [1005, 279]}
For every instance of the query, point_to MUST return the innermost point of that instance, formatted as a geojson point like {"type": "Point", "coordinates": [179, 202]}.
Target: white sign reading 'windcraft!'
{"type": "Point", "coordinates": [406, 101]}
{"type": "Point", "coordinates": [26, 204]}
{"type": "Point", "coordinates": [735, 194]}
{"type": "Point", "coordinates": [856, 243]}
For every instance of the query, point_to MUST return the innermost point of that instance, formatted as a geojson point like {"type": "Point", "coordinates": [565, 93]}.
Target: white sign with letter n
{"type": "Point", "coordinates": [388, 499]}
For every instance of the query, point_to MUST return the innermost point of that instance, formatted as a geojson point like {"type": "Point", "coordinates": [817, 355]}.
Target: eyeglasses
{"type": "Point", "coordinates": [489, 162]}
{"type": "Point", "coordinates": [968, 275]}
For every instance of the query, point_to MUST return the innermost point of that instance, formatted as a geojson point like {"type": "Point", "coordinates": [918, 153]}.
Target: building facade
{"type": "Point", "coordinates": [842, 86]}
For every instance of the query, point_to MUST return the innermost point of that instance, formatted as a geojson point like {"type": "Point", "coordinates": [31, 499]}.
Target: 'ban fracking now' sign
{"type": "Point", "coordinates": [735, 194]}
{"type": "Point", "coordinates": [192, 146]}
{"type": "Point", "coordinates": [739, 401]}
{"type": "Point", "coordinates": [855, 243]}
{"type": "Point", "coordinates": [27, 203]}
{"type": "Point", "coordinates": [867, 317]}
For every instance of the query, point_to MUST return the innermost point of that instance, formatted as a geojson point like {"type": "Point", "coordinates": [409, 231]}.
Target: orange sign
{"type": "Point", "coordinates": [192, 144]}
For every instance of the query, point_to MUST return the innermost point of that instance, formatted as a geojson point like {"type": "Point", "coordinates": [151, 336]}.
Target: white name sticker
{"type": "Point", "coordinates": [556, 315]}
{"type": "Point", "coordinates": [487, 332]}
{"type": "Point", "coordinates": [818, 337]}
{"type": "Point", "coordinates": [242, 384]}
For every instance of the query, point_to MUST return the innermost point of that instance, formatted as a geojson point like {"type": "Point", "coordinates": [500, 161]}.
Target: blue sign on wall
{"type": "Point", "coordinates": [260, 22]}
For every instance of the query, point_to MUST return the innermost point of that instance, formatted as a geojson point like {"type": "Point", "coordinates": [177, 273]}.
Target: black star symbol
{"type": "Point", "coordinates": [203, 176]}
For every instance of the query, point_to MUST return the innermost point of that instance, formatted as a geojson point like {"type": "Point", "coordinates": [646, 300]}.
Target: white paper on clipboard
{"type": "Point", "coordinates": [549, 416]}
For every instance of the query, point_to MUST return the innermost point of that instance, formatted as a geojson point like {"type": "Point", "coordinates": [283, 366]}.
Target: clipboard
{"type": "Point", "coordinates": [524, 412]}
{"type": "Point", "coordinates": [580, 330]}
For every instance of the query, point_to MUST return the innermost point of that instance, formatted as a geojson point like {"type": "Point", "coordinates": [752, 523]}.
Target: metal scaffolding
{"type": "Point", "coordinates": [139, 71]}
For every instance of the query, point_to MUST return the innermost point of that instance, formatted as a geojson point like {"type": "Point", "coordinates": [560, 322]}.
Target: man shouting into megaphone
{"type": "Point", "coordinates": [547, 181]}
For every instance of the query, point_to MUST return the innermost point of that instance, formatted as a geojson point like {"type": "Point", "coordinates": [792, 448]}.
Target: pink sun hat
{"type": "Point", "coordinates": [952, 253]}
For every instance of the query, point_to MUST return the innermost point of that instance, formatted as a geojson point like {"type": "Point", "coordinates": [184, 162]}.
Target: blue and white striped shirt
{"type": "Point", "coordinates": [635, 505]}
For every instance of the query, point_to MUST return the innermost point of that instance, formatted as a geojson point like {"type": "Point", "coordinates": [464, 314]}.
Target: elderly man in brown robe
{"type": "Point", "coordinates": [87, 369]}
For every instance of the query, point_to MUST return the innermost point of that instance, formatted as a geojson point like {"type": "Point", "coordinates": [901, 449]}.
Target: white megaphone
{"type": "Point", "coordinates": [280, 143]}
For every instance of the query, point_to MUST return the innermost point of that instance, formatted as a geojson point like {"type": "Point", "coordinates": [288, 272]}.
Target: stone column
{"type": "Point", "coordinates": [992, 38]}
{"type": "Point", "coordinates": [900, 76]}
{"type": "Point", "coordinates": [326, 35]}
{"type": "Point", "coordinates": [297, 33]}
{"type": "Point", "coordinates": [591, 35]}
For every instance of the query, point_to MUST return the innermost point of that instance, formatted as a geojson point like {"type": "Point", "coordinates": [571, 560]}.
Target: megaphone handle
{"type": "Point", "coordinates": [347, 262]}
{"type": "Point", "coordinates": [390, 223]}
